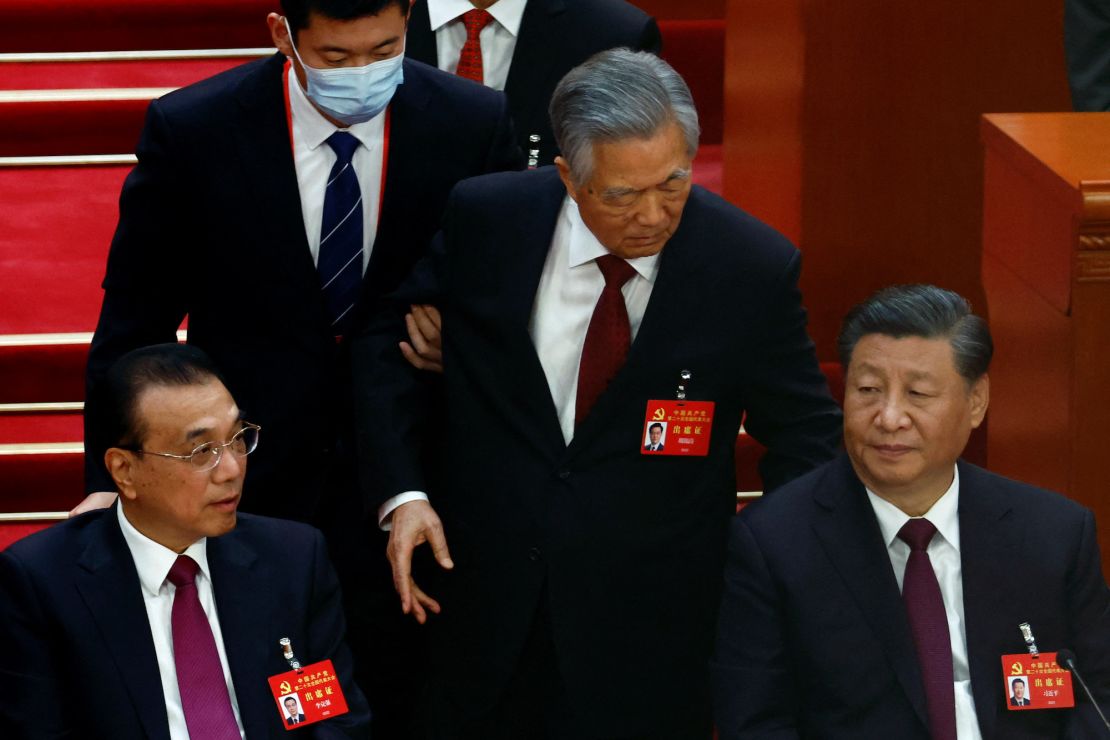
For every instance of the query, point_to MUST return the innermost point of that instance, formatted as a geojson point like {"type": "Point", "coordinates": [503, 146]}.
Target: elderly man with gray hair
{"type": "Point", "coordinates": [581, 304]}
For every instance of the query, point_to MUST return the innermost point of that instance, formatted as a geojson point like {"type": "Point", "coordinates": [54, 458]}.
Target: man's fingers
{"type": "Point", "coordinates": [399, 552]}
{"type": "Point", "coordinates": [423, 602]}
{"type": "Point", "coordinates": [439, 546]}
{"type": "Point", "coordinates": [417, 361]}
{"type": "Point", "coordinates": [94, 501]}
{"type": "Point", "coordinates": [429, 313]}
{"type": "Point", "coordinates": [416, 337]}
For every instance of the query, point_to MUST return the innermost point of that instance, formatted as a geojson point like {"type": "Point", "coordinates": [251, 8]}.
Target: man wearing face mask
{"type": "Point", "coordinates": [271, 205]}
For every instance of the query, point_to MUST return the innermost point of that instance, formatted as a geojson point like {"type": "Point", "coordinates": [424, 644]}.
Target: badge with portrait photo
{"type": "Point", "coordinates": [1036, 683]}
{"type": "Point", "coordinates": [677, 428]}
{"type": "Point", "coordinates": [308, 695]}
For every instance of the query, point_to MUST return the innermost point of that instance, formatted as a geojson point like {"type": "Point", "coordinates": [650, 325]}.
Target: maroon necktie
{"type": "Point", "coordinates": [470, 58]}
{"type": "Point", "coordinates": [200, 676]}
{"type": "Point", "coordinates": [929, 624]}
{"type": "Point", "coordinates": [607, 339]}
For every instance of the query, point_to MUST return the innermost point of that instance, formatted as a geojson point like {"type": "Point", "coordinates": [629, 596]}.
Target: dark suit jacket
{"type": "Point", "coordinates": [813, 637]}
{"type": "Point", "coordinates": [79, 659]}
{"type": "Point", "coordinates": [628, 547]}
{"type": "Point", "coordinates": [555, 36]}
{"type": "Point", "coordinates": [211, 226]}
{"type": "Point", "coordinates": [294, 720]}
{"type": "Point", "coordinates": [1015, 703]}
{"type": "Point", "coordinates": [1087, 43]}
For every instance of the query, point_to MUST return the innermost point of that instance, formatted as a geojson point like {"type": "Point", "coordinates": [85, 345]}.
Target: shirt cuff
{"type": "Point", "coordinates": [385, 511]}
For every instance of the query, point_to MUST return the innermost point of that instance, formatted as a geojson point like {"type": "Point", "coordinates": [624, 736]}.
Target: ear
{"type": "Point", "coordinates": [563, 166]}
{"type": "Point", "coordinates": [980, 399]}
{"type": "Point", "coordinates": [279, 33]}
{"type": "Point", "coordinates": [121, 466]}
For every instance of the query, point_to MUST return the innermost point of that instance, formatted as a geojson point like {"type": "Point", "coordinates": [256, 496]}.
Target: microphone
{"type": "Point", "coordinates": [1066, 658]}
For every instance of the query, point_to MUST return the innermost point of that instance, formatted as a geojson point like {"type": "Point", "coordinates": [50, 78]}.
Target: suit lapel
{"type": "Point", "coordinates": [531, 403]}
{"type": "Point", "coordinates": [240, 598]}
{"type": "Point", "coordinates": [988, 544]}
{"type": "Point", "coordinates": [407, 130]}
{"type": "Point", "coordinates": [270, 184]}
{"type": "Point", "coordinates": [850, 536]}
{"type": "Point", "coordinates": [668, 313]}
{"type": "Point", "coordinates": [538, 34]}
{"type": "Point", "coordinates": [109, 585]}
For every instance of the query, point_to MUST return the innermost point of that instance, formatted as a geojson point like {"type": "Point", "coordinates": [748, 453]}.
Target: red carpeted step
{"type": "Point", "coordinates": [39, 428]}
{"type": "Point", "coordinates": [41, 478]}
{"type": "Point", "coordinates": [112, 73]}
{"type": "Point", "coordinates": [55, 229]}
{"type": "Point", "coordinates": [42, 370]}
{"type": "Point", "coordinates": [709, 168]}
{"type": "Point", "coordinates": [37, 128]}
{"type": "Point", "coordinates": [83, 25]}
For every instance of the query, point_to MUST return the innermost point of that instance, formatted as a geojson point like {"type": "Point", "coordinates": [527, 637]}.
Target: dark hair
{"type": "Point", "coordinates": [921, 311]}
{"type": "Point", "coordinates": [1017, 680]}
{"type": "Point", "coordinates": [656, 424]}
{"type": "Point", "coordinates": [138, 370]}
{"type": "Point", "coordinates": [297, 11]}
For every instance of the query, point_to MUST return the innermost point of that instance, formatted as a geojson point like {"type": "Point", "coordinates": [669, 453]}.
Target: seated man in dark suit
{"type": "Point", "coordinates": [307, 185]}
{"type": "Point", "coordinates": [875, 596]}
{"type": "Point", "coordinates": [161, 616]}
{"type": "Point", "coordinates": [524, 47]}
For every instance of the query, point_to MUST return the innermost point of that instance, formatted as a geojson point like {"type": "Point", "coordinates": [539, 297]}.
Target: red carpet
{"type": "Point", "coordinates": [55, 228]}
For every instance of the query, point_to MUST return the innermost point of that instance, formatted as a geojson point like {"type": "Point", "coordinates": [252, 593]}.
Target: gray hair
{"type": "Point", "coordinates": [614, 95]}
{"type": "Point", "coordinates": [922, 311]}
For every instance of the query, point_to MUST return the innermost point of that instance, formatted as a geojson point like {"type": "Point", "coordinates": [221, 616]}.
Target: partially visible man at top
{"type": "Point", "coordinates": [577, 300]}
{"type": "Point", "coordinates": [271, 205]}
{"type": "Point", "coordinates": [876, 596]}
{"type": "Point", "coordinates": [161, 616]}
{"type": "Point", "coordinates": [524, 47]}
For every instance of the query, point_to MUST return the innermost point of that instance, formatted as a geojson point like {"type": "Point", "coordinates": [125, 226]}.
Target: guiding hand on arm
{"type": "Point", "coordinates": [94, 501]}
{"type": "Point", "coordinates": [415, 523]}
{"type": "Point", "coordinates": [424, 350]}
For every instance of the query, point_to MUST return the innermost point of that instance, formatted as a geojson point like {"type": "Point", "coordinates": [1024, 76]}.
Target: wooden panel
{"type": "Point", "coordinates": [884, 120]}
{"type": "Point", "coordinates": [764, 71]}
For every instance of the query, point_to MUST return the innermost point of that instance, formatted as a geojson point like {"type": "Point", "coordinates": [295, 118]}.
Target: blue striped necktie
{"type": "Point", "coordinates": [340, 260]}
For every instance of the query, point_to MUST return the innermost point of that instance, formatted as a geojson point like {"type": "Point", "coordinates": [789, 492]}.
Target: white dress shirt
{"type": "Point", "coordinates": [944, 554]}
{"type": "Point", "coordinates": [314, 159]}
{"type": "Point", "coordinates": [153, 562]}
{"type": "Point", "coordinates": [569, 288]}
{"type": "Point", "coordinates": [498, 38]}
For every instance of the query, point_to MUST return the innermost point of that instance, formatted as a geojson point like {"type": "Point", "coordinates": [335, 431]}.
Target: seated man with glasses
{"type": "Point", "coordinates": [162, 615]}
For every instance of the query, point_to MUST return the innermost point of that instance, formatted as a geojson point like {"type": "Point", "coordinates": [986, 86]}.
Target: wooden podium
{"type": "Point", "coordinates": [1046, 273]}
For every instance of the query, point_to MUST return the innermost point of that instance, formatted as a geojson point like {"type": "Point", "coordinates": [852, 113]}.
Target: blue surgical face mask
{"type": "Point", "coordinates": [352, 94]}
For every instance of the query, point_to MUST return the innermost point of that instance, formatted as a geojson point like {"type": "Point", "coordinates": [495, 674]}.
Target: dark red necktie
{"type": "Point", "coordinates": [470, 58]}
{"type": "Point", "coordinates": [929, 624]}
{"type": "Point", "coordinates": [200, 676]}
{"type": "Point", "coordinates": [607, 339]}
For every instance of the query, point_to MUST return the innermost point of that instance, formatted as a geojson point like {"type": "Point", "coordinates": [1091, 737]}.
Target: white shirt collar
{"type": "Point", "coordinates": [152, 560]}
{"type": "Point", "coordinates": [584, 246]}
{"type": "Point", "coordinates": [313, 129]}
{"type": "Point", "coordinates": [506, 12]}
{"type": "Point", "coordinates": [944, 514]}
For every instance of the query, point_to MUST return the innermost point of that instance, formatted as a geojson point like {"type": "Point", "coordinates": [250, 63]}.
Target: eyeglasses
{"type": "Point", "coordinates": [208, 455]}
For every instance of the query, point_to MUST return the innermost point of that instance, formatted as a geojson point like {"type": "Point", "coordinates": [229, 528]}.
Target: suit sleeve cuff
{"type": "Point", "coordinates": [385, 511]}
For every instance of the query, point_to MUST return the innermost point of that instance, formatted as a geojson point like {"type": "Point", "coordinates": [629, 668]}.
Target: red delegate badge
{"type": "Point", "coordinates": [677, 428]}
{"type": "Point", "coordinates": [308, 695]}
{"type": "Point", "coordinates": [1035, 683]}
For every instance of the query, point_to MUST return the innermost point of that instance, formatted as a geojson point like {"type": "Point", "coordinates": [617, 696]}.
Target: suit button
{"type": "Point", "coordinates": [534, 554]}
{"type": "Point", "coordinates": [564, 474]}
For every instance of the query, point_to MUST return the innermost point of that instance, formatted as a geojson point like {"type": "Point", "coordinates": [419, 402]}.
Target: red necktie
{"type": "Point", "coordinates": [929, 624]}
{"type": "Point", "coordinates": [200, 676]}
{"type": "Point", "coordinates": [470, 58]}
{"type": "Point", "coordinates": [607, 339]}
